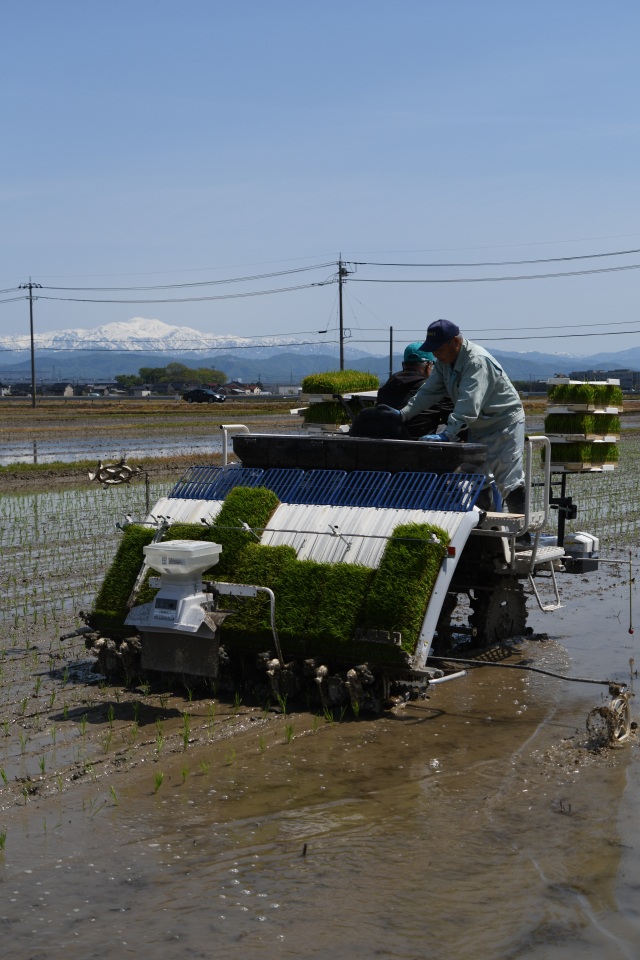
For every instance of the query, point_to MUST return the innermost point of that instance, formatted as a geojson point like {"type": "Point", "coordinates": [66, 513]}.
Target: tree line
{"type": "Point", "coordinates": [172, 372]}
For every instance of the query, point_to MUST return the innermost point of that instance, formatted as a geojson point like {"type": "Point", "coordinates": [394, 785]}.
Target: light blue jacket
{"type": "Point", "coordinates": [485, 399]}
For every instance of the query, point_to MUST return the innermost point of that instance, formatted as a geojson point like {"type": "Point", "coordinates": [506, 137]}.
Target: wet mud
{"type": "Point", "coordinates": [481, 822]}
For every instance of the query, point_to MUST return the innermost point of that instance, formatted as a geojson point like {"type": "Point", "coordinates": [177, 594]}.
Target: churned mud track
{"type": "Point", "coordinates": [65, 731]}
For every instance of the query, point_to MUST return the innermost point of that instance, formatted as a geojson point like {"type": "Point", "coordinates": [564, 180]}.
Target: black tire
{"type": "Point", "coordinates": [499, 614]}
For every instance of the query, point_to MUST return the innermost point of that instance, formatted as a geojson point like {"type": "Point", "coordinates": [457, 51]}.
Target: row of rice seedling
{"type": "Point", "coordinates": [56, 547]}
{"type": "Point", "coordinates": [608, 503]}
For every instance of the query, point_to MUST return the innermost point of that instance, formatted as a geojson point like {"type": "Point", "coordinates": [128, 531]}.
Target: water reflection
{"type": "Point", "coordinates": [53, 451]}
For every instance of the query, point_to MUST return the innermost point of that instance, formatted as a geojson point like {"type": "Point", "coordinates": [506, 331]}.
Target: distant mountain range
{"type": "Point", "coordinates": [103, 352]}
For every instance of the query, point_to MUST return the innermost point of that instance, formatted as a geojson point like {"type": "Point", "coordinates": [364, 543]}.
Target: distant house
{"type": "Point", "coordinates": [144, 390]}
{"type": "Point", "coordinates": [5, 389]}
{"type": "Point", "coordinates": [59, 389]}
{"type": "Point", "coordinates": [235, 387]}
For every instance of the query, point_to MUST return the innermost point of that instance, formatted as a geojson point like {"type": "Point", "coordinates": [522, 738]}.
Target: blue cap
{"type": "Point", "coordinates": [414, 353]}
{"type": "Point", "coordinates": [438, 333]}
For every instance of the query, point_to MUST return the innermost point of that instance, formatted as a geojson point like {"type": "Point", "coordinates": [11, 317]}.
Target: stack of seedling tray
{"type": "Point", "coordinates": [582, 422]}
{"type": "Point", "coordinates": [322, 391]}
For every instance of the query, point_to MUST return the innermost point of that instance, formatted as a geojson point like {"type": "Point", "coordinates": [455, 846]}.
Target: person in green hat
{"type": "Point", "coordinates": [403, 385]}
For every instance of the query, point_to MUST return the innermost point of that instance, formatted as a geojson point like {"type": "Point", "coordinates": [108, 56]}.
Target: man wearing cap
{"type": "Point", "coordinates": [402, 386]}
{"type": "Point", "coordinates": [484, 400]}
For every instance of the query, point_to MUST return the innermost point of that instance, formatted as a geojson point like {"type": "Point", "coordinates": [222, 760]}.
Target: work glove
{"type": "Point", "coordinates": [387, 409]}
{"type": "Point", "coordinates": [437, 437]}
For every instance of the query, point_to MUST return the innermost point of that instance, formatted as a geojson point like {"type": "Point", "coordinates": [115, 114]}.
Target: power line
{"type": "Point", "coordinates": [499, 263]}
{"type": "Point", "coordinates": [205, 283]}
{"type": "Point", "coordinates": [226, 296]}
{"type": "Point", "coordinates": [553, 326]}
{"type": "Point", "coordinates": [556, 336]}
{"type": "Point", "coordinates": [249, 346]}
{"type": "Point", "coordinates": [532, 276]}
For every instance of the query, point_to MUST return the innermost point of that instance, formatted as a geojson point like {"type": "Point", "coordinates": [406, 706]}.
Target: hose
{"type": "Point", "coordinates": [521, 666]}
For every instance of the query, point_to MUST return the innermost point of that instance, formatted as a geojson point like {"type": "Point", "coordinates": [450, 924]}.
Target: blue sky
{"type": "Point", "coordinates": [150, 143]}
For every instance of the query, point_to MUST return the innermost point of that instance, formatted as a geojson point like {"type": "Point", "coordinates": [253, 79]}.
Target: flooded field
{"type": "Point", "coordinates": [109, 430]}
{"type": "Point", "coordinates": [481, 823]}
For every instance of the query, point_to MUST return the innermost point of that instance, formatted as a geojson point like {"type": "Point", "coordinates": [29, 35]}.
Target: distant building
{"type": "Point", "coordinates": [58, 389]}
{"type": "Point", "coordinates": [629, 379]}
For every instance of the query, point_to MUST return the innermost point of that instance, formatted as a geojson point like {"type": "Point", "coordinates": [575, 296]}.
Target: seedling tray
{"type": "Point", "coordinates": [581, 408]}
{"type": "Point", "coordinates": [583, 437]}
{"type": "Point", "coordinates": [559, 467]}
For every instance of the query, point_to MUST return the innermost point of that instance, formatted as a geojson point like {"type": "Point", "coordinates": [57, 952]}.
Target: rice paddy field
{"type": "Point", "coordinates": [481, 823]}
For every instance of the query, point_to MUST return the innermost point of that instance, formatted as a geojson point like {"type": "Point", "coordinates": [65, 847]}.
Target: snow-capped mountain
{"type": "Point", "coordinates": [140, 334]}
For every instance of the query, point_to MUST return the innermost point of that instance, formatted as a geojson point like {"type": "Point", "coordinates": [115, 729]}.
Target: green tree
{"type": "Point", "coordinates": [128, 380]}
{"type": "Point", "coordinates": [179, 371]}
{"type": "Point", "coordinates": [151, 374]}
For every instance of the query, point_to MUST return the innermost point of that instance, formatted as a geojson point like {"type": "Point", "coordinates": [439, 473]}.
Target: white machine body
{"type": "Point", "coordinates": [581, 544]}
{"type": "Point", "coordinates": [178, 605]}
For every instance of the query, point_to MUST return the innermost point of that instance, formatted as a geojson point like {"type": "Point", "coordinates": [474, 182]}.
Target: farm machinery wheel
{"type": "Point", "coordinates": [500, 613]}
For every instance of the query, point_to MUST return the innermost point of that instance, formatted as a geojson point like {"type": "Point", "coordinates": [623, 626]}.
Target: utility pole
{"type": "Point", "coordinates": [390, 351]}
{"type": "Point", "coordinates": [30, 287]}
{"type": "Point", "coordinates": [342, 273]}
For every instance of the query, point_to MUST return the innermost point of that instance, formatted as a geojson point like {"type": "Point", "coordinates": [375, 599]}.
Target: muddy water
{"type": "Point", "coordinates": [477, 824]}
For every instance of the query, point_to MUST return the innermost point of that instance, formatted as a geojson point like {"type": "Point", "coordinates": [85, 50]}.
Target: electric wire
{"type": "Point", "coordinates": [556, 336]}
{"type": "Point", "coordinates": [530, 276]}
{"type": "Point", "coordinates": [124, 348]}
{"type": "Point", "coordinates": [224, 296]}
{"type": "Point", "coordinates": [552, 326]}
{"type": "Point", "coordinates": [202, 283]}
{"type": "Point", "coordinates": [497, 263]}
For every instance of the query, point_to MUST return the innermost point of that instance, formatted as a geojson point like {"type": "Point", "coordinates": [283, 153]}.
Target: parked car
{"type": "Point", "coordinates": [203, 395]}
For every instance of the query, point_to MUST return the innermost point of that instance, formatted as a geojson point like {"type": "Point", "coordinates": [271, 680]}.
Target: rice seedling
{"type": "Point", "coordinates": [157, 781]}
{"type": "Point", "coordinates": [185, 773]}
{"type": "Point", "coordinates": [159, 736]}
{"type": "Point", "coordinates": [3, 839]}
{"type": "Point", "coordinates": [186, 729]}
{"type": "Point", "coordinates": [114, 795]}
{"type": "Point", "coordinates": [203, 766]}
{"type": "Point", "coordinates": [288, 733]}
{"type": "Point", "coordinates": [110, 715]}
{"type": "Point", "coordinates": [327, 713]}
{"type": "Point", "coordinates": [230, 758]}
{"type": "Point", "coordinates": [282, 703]}
{"type": "Point", "coordinates": [3, 774]}
{"type": "Point", "coordinates": [211, 718]}
{"type": "Point", "coordinates": [261, 744]}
